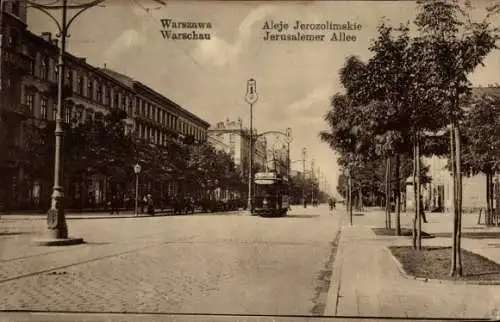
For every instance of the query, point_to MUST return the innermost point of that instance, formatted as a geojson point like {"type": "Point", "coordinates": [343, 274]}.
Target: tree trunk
{"type": "Point", "coordinates": [398, 197]}
{"type": "Point", "coordinates": [387, 192]}
{"type": "Point", "coordinates": [492, 196]}
{"type": "Point", "coordinates": [453, 269]}
{"type": "Point", "coordinates": [350, 199]}
{"type": "Point", "coordinates": [415, 213]}
{"type": "Point", "coordinates": [488, 197]}
{"type": "Point", "coordinates": [389, 188]}
{"type": "Point", "coordinates": [489, 217]}
{"type": "Point", "coordinates": [418, 205]}
{"type": "Point", "coordinates": [497, 199]}
{"type": "Point", "coordinates": [459, 201]}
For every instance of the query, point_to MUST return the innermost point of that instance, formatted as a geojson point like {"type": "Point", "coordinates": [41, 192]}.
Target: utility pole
{"type": "Point", "coordinates": [312, 180]}
{"type": "Point", "coordinates": [288, 141]}
{"type": "Point", "coordinates": [251, 97]}
{"type": "Point", "coordinates": [304, 151]}
{"type": "Point", "coordinates": [56, 219]}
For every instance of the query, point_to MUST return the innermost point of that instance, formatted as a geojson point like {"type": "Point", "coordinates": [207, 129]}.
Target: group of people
{"type": "Point", "coordinates": [146, 204]}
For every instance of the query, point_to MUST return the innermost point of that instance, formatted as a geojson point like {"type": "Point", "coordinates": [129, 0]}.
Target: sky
{"type": "Point", "coordinates": [294, 79]}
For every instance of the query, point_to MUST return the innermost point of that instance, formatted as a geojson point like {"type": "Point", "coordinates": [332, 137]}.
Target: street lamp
{"type": "Point", "coordinates": [137, 170]}
{"type": "Point", "coordinates": [251, 98]}
{"type": "Point", "coordinates": [56, 221]}
{"type": "Point", "coordinates": [304, 151]}
{"type": "Point", "coordinates": [288, 141]}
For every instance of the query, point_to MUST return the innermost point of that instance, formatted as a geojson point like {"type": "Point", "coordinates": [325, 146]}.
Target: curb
{"type": "Point", "coordinates": [333, 295]}
{"type": "Point", "coordinates": [76, 217]}
{"type": "Point", "coordinates": [433, 280]}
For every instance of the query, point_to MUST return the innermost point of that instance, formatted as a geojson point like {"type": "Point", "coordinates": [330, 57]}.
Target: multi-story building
{"type": "Point", "coordinates": [221, 143]}
{"type": "Point", "coordinates": [233, 133]}
{"type": "Point", "coordinates": [29, 100]}
{"type": "Point", "coordinates": [438, 194]}
{"type": "Point", "coordinates": [14, 62]}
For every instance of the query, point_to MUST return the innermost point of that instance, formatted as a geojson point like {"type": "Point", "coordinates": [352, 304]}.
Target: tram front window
{"type": "Point", "coordinates": [265, 195]}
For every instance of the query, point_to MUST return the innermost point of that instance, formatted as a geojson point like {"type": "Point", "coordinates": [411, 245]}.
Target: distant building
{"type": "Point", "coordinates": [234, 135]}
{"type": "Point", "coordinates": [219, 143]}
{"type": "Point", "coordinates": [438, 195]}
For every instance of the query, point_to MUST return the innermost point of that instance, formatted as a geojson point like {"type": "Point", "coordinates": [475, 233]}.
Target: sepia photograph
{"type": "Point", "coordinates": [232, 160]}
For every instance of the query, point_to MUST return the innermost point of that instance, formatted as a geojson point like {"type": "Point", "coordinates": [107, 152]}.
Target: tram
{"type": "Point", "coordinates": [271, 196]}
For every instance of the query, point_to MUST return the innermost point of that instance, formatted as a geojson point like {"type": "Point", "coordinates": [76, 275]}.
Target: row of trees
{"type": "Point", "coordinates": [410, 99]}
{"type": "Point", "coordinates": [104, 147]}
{"type": "Point", "coordinates": [306, 187]}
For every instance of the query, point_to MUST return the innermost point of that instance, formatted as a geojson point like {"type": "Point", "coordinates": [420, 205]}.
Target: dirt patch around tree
{"type": "Point", "coordinates": [435, 263]}
{"type": "Point", "coordinates": [404, 232]}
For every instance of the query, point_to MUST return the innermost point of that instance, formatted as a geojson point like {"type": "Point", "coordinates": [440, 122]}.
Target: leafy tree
{"type": "Point", "coordinates": [481, 147]}
{"type": "Point", "coordinates": [451, 46]}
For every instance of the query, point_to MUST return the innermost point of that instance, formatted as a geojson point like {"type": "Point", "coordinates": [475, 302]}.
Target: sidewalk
{"type": "Point", "coordinates": [366, 280]}
{"type": "Point", "coordinates": [101, 215]}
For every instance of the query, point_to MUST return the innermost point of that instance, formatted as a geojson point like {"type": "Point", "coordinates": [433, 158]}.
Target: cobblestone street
{"type": "Point", "coordinates": [220, 264]}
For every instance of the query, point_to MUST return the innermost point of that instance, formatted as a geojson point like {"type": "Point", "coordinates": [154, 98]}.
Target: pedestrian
{"type": "Point", "coordinates": [114, 204]}
{"type": "Point", "coordinates": [150, 205]}
{"type": "Point", "coordinates": [144, 203]}
{"type": "Point", "coordinates": [422, 212]}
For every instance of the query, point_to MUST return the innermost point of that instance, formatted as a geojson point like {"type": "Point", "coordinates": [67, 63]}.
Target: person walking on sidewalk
{"type": "Point", "coordinates": [422, 212]}
{"type": "Point", "coordinates": [115, 208]}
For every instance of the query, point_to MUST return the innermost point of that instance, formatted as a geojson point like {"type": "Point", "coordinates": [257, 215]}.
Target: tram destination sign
{"type": "Point", "coordinates": [266, 176]}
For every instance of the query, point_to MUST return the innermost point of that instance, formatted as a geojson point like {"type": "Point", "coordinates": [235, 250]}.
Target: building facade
{"type": "Point", "coordinates": [438, 194]}
{"type": "Point", "coordinates": [14, 62]}
{"type": "Point", "coordinates": [29, 101]}
{"type": "Point", "coordinates": [237, 138]}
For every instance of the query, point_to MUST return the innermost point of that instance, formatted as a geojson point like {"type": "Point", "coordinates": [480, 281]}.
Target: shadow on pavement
{"type": "Point", "coordinates": [473, 234]}
{"type": "Point", "coordinates": [301, 216]}
{"type": "Point", "coordinates": [6, 233]}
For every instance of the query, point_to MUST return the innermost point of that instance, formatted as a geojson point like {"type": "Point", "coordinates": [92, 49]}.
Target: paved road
{"type": "Point", "coordinates": [202, 264]}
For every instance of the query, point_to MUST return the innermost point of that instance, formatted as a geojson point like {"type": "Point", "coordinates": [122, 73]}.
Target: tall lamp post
{"type": "Point", "coordinates": [56, 221]}
{"type": "Point", "coordinates": [251, 98]}
{"type": "Point", "coordinates": [304, 201]}
{"type": "Point", "coordinates": [137, 170]}
{"type": "Point", "coordinates": [288, 141]}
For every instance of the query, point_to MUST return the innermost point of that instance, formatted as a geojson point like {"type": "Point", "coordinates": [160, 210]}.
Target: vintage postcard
{"type": "Point", "coordinates": [167, 160]}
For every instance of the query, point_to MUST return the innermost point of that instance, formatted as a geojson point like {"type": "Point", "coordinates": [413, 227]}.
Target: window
{"type": "Point", "coordinates": [69, 77]}
{"type": "Point", "coordinates": [79, 115]}
{"type": "Point", "coordinates": [90, 88]}
{"type": "Point", "coordinates": [89, 116]}
{"type": "Point", "coordinates": [67, 113]}
{"type": "Point", "coordinates": [99, 89]}
{"type": "Point", "coordinates": [106, 92]}
{"type": "Point", "coordinates": [116, 99]}
{"type": "Point", "coordinates": [29, 102]}
{"type": "Point", "coordinates": [44, 68]}
{"type": "Point", "coordinates": [129, 109]}
{"type": "Point", "coordinates": [14, 39]}
{"type": "Point", "coordinates": [79, 84]}
{"type": "Point", "coordinates": [31, 67]}
{"type": "Point", "coordinates": [43, 108]}
{"type": "Point", "coordinates": [15, 7]}
{"type": "Point", "coordinates": [124, 102]}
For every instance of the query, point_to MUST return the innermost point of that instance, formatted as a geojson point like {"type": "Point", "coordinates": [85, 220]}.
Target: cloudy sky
{"type": "Point", "coordinates": [208, 77]}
